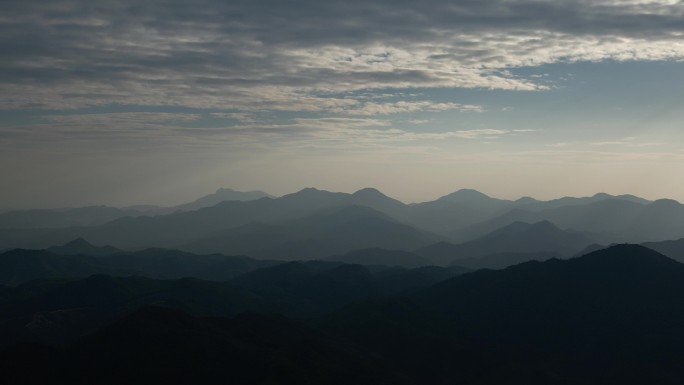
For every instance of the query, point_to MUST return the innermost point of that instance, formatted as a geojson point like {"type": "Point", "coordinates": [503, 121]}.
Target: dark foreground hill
{"type": "Point", "coordinates": [163, 346]}
{"type": "Point", "coordinates": [613, 316]}
{"type": "Point", "coordinates": [60, 310]}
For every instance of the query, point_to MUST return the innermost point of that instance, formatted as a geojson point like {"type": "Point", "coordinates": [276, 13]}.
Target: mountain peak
{"type": "Point", "coordinates": [83, 247]}
{"type": "Point", "coordinates": [526, 200]}
{"type": "Point", "coordinates": [307, 191]}
{"type": "Point", "coordinates": [369, 192]}
{"type": "Point", "coordinates": [312, 194]}
{"type": "Point", "coordinates": [544, 225]}
{"type": "Point", "coordinates": [525, 226]}
{"type": "Point", "coordinates": [373, 198]}
{"type": "Point", "coordinates": [466, 195]}
{"type": "Point", "coordinates": [78, 242]}
{"type": "Point", "coordinates": [630, 254]}
{"type": "Point", "coordinates": [665, 203]}
{"type": "Point", "coordinates": [467, 192]}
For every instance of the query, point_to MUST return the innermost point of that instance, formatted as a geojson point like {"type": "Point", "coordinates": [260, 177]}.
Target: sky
{"type": "Point", "coordinates": [160, 102]}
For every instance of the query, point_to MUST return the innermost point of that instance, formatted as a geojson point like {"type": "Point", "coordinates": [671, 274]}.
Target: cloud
{"type": "Point", "coordinates": [373, 109]}
{"type": "Point", "coordinates": [628, 142]}
{"type": "Point", "coordinates": [267, 55]}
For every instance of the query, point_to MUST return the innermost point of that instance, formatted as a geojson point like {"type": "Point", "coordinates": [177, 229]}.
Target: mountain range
{"type": "Point", "coordinates": [611, 316]}
{"type": "Point", "coordinates": [302, 225]}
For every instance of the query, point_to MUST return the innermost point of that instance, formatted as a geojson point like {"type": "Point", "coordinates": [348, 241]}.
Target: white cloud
{"type": "Point", "coordinates": [243, 56]}
{"type": "Point", "coordinates": [628, 142]}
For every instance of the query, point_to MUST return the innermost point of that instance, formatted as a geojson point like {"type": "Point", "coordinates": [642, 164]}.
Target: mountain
{"type": "Point", "coordinates": [576, 201]}
{"type": "Point", "coordinates": [370, 197]}
{"type": "Point", "coordinates": [80, 246]}
{"type": "Point", "coordinates": [310, 200]}
{"type": "Point", "coordinates": [222, 194]}
{"type": "Point", "coordinates": [622, 277]}
{"type": "Point", "coordinates": [180, 228]}
{"type": "Point", "coordinates": [314, 288]}
{"type": "Point", "coordinates": [459, 217]}
{"type": "Point", "coordinates": [377, 256]}
{"type": "Point", "coordinates": [61, 311]}
{"type": "Point", "coordinates": [673, 249]}
{"type": "Point", "coordinates": [476, 200]}
{"type": "Point", "coordinates": [611, 220]}
{"type": "Point", "coordinates": [608, 317]}
{"type": "Point", "coordinates": [176, 264]}
{"type": "Point", "coordinates": [612, 316]}
{"type": "Point", "coordinates": [442, 216]}
{"type": "Point", "coordinates": [156, 345]}
{"type": "Point", "coordinates": [98, 215]}
{"type": "Point", "coordinates": [19, 266]}
{"type": "Point", "coordinates": [62, 218]}
{"type": "Point", "coordinates": [517, 237]}
{"type": "Point", "coordinates": [505, 259]}
{"type": "Point", "coordinates": [324, 233]}
{"type": "Point", "coordinates": [305, 289]}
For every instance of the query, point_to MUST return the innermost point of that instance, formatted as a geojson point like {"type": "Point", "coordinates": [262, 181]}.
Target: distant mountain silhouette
{"type": "Point", "coordinates": [573, 201]}
{"type": "Point", "coordinates": [180, 228]}
{"type": "Point", "coordinates": [673, 249]}
{"type": "Point", "coordinates": [80, 246]}
{"type": "Point", "coordinates": [62, 218]}
{"type": "Point", "coordinates": [377, 256]}
{"type": "Point", "coordinates": [611, 220]}
{"type": "Point", "coordinates": [221, 195]}
{"type": "Point", "coordinates": [476, 200]}
{"type": "Point", "coordinates": [458, 217]}
{"type": "Point", "coordinates": [591, 248]}
{"type": "Point", "coordinates": [517, 237]}
{"type": "Point", "coordinates": [373, 198]}
{"type": "Point", "coordinates": [326, 232]}
{"type": "Point", "coordinates": [505, 259]}
{"type": "Point", "coordinates": [442, 216]}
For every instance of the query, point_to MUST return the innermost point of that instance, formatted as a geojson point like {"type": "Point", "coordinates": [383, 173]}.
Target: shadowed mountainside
{"type": "Point", "coordinates": [609, 317]}
{"type": "Point", "coordinates": [612, 316]}
{"type": "Point", "coordinates": [377, 256]}
{"type": "Point", "coordinates": [19, 265]}
{"type": "Point", "coordinates": [518, 237]}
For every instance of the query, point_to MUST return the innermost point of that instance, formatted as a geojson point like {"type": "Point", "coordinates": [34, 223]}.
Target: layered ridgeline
{"type": "Point", "coordinates": [97, 215]}
{"type": "Point", "coordinates": [612, 316]}
{"type": "Point", "coordinates": [314, 224]}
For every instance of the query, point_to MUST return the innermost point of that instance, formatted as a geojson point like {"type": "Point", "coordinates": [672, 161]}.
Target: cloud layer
{"type": "Point", "coordinates": [276, 95]}
{"type": "Point", "coordinates": [300, 55]}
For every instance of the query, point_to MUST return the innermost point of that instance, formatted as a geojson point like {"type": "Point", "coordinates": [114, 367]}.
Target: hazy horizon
{"type": "Point", "coordinates": [348, 191]}
{"type": "Point", "coordinates": [122, 103]}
